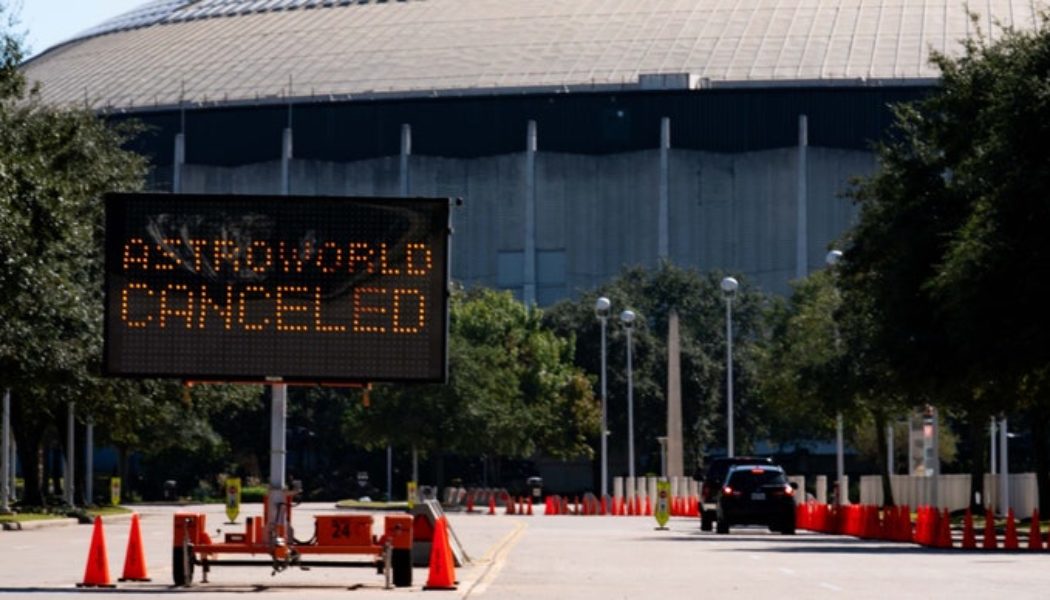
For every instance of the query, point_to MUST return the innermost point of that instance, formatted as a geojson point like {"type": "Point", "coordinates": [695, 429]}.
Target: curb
{"type": "Point", "coordinates": [61, 522]}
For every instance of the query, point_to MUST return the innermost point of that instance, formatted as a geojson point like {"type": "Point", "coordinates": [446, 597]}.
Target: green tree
{"type": "Point", "coordinates": [512, 392]}
{"type": "Point", "coordinates": [699, 301]}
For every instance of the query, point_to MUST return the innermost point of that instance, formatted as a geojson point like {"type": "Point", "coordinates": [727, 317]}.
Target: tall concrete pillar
{"type": "Point", "coordinates": [180, 160]}
{"type": "Point", "coordinates": [674, 398]}
{"type": "Point", "coordinates": [89, 462]}
{"type": "Point", "coordinates": [6, 458]}
{"type": "Point", "coordinates": [71, 469]}
{"type": "Point", "coordinates": [663, 250]}
{"type": "Point", "coordinates": [529, 283]}
{"type": "Point", "coordinates": [406, 151]}
{"type": "Point", "coordinates": [801, 228]}
{"type": "Point", "coordinates": [286, 161]}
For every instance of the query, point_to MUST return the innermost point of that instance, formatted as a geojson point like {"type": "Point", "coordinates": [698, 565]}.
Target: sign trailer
{"type": "Point", "coordinates": [279, 289]}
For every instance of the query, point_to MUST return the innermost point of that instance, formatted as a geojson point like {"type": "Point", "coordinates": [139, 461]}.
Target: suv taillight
{"type": "Point", "coordinates": [728, 491]}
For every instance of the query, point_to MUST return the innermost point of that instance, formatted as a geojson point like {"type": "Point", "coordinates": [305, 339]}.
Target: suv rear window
{"type": "Point", "coordinates": [747, 480]}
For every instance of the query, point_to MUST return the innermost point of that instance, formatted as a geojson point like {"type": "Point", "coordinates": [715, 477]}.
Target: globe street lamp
{"type": "Point", "coordinates": [627, 318]}
{"type": "Point", "coordinates": [729, 286]}
{"type": "Point", "coordinates": [831, 260]}
{"type": "Point", "coordinates": [601, 309]}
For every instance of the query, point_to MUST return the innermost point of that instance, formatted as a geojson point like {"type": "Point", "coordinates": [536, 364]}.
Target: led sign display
{"type": "Point", "coordinates": [250, 287]}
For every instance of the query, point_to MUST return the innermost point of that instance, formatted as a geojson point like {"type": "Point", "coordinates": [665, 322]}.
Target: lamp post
{"type": "Point", "coordinates": [601, 310]}
{"type": "Point", "coordinates": [831, 260]}
{"type": "Point", "coordinates": [627, 318]}
{"type": "Point", "coordinates": [729, 286]}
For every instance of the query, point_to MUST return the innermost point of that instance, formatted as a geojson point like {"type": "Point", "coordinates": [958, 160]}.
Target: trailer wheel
{"type": "Point", "coordinates": [182, 566]}
{"type": "Point", "coordinates": [401, 563]}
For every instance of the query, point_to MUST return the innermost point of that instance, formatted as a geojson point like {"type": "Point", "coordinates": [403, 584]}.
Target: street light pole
{"type": "Point", "coordinates": [831, 260]}
{"type": "Point", "coordinates": [601, 309]}
{"type": "Point", "coordinates": [627, 318]}
{"type": "Point", "coordinates": [729, 286]}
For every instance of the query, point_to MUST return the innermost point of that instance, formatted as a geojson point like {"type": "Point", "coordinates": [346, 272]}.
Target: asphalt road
{"type": "Point", "coordinates": [586, 558]}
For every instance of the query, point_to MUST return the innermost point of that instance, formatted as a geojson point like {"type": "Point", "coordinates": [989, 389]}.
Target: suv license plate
{"type": "Point", "coordinates": [758, 496]}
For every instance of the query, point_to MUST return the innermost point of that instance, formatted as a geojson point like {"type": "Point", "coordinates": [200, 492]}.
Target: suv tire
{"type": "Point", "coordinates": [723, 526]}
{"type": "Point", "coordinates": [706, 519]}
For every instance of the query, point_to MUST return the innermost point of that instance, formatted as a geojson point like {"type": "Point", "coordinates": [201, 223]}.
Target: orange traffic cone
{"type": "Point", "coordinates": [989, 543]}
{"type": "Point", "coordinates": [442, 574]}
{"type": "Point", "coordinates": [510, 507]}
{"type": "Point", "coordinates": [969, 538]}
{"type": "Point", "coordinates": [135, 557]}
{"type": "Point", "coordinates": [492, 504]}
{"type": "Point", "coordinates": [648, 507]}
{"type": "Point", "coordinates": [1035, 536]}
{"type": "Point", "coordinates": [96, 574]}
{"type": "Point", "coordinates": [470, 502]}
{"type": "Point", "coordinates": [944, 533]}
{"type": "Point", "coordinates": [1010, 539]}
{"type": "Point", "coordinates": [529, 507]}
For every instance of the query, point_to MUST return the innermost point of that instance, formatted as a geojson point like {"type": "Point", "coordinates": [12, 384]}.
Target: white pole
{"type": "Point", "coordinates": [889, 449]}
{"type": "Point", "coordinates": [389, 472]}
{"type": "Point", "coordinates": [605, 426]}
{"type": "Point", "coordinates": [5, 454]}
{"type": "Point", "coordinates": [278, 420]}
{"type": "Point", "coordinates": [415, 464]}
{"type": "Point", "coordinates": [801, 219]}
{"type": "Point", "coordinates": [630, 411]}
{"type": "Point", "coordinates": [1004, 467]}
{"type": "Point", "coordinates": [993, 467]}
{"type": "Point", "coordinates": [840, 463]}
{"type": "Point", "coordinates": [89, 462]}
{"type": "Point", "coordinates": [70, 454]}
{"type": "Point", "coordinates": [663, 220]}
{"type": "Point", "coordinates": [529, 284]}
{"type": "Point", "coordinates": [729, 377]}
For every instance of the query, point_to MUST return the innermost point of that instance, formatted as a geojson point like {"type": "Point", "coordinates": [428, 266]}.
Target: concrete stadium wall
{"type": "Point", "coordinates": [596, 214]}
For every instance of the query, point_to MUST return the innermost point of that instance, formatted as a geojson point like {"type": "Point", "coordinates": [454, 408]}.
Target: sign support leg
{"type": "Point", "coordinates": [278, 453]}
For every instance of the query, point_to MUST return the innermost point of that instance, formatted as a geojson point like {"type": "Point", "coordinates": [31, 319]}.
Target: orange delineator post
{"type": "Point", "coordinates": [989, 542]}
{"type": "Point", "coordinates": [492, 504]}
{"type": "Point", "coordinates": [969, 540]}
{"type": "Point", "coordinates": [96, 573]}
{"type": "Point", "coordinates": [135, 557]}
{"type": "Point", "coordinates": [944, 536]}
{"type": "Point", "coordinates": [1010, 539]}
{"type": "Point", "coordinates": [1035, 534]}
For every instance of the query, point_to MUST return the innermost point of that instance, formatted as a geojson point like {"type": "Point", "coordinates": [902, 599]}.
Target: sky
{"type": "Point", "coordinates": [48, 22]}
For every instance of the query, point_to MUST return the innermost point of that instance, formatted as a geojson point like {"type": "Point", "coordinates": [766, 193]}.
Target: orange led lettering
{"type": "Point", "coordinates": [198, 247]}
{"type": "Point", "coordinates": [318, 325]}
{"type": "Point", "coordinates": [166, 310]}
{"type": "Point", "coordinates": [283, 307]}
{"type": "Point", "coordinates": [335, 260]}
{"type": "Point", "coordinates": [418, 260]}
{"type": "Point", "coordinates": [242, 317]}
{"type": "Point", "coordinates": [136, 252]}
{"type": "Point", "coordinates": [226, 251]}
{"type": "Point", "coordinates": [360, 252]}
{"type": "Point", "coordinates": [167, 250]}
{"type": "Point", "coordinates": [400, 312]}
{"type": "Point", "coordinates": [224, 312]}
{"type": "Point", "coordinates": [125, 311]}
{"type": "Point", "coordinates": [360, 308]}
{"type": "Point", "coordinates": [295, 258]}
{"type": "Point", "coordinates": [252, 259]}
{"type": "Point", "coordinates": [385, 268]}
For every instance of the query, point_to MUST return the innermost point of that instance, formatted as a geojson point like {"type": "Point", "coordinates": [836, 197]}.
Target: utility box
{"type": "Point", "coordinates": [344, 530]}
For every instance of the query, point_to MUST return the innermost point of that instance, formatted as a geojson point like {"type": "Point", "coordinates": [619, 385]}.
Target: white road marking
{"type": "Point", "coordinates": [829, 586]}
{"type": "Point", "coordinates": [787, 571]}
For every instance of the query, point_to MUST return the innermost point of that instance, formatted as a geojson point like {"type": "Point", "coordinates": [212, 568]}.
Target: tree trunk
{"type": "Point", "coordinates": [1038, 418]}
{"type": "Point", "coordinates": [30, 457]}
{"type": "Point", "coordinates": [883, 448]}
{"type": "Point", "coordinates": [978, 430]}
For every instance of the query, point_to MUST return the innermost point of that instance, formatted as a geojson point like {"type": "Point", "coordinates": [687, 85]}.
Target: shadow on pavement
{"type": "Point", "coordinates": [203, 589]}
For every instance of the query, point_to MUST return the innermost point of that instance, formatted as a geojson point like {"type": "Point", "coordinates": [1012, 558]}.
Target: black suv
{"type": "Point", "coordinates": [757, 495]}
{"type": "Point", "coordinates": [712, 482]}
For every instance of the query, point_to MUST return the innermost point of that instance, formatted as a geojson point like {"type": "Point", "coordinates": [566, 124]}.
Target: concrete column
{"type": "Point", "coordinates": [5, 453]}
{"type": "Point", "coordinates": [674, 398]}
{"type": "Point", "coordinates": [1004, 468]}
{"type": "Point", "coordinates": [415, 465]}
{"type": "Point", "coordinates": [663, 251]}
{"type": "Point", "coordinates": [822, 489]}
{"type": "Point", "coordinates": [618, 487]}
{"type": "Point", "coordinates": [889, 448]}
{"type": "Point", "coordinates": [286, 161]}
{"type": "Point", "coordinates": [180, 160]}
{"type": "Point", "coordinates": [529, 283]}
{"type": "Point", "coordinates": [89, 462]}
{"type": "Point", "coordinates": [71, 469]}
{"type": "Point", "coordinates": [801, 231]}
{"type": "Point", "coordinates": [406, 152]}
{"type": "Point", "coordinates": [840, 463]}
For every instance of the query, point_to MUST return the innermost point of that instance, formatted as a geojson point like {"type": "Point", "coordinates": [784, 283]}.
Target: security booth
{"type": "Point", "coordinates": [280, 290]}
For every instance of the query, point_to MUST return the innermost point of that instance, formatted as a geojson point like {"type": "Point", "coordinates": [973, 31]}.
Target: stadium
{"type": "Point", "coordinates": [583, 135]}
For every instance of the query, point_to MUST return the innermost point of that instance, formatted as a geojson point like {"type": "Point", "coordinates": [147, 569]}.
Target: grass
{"type": "Point", "coordinates": [372, 505]}
{"type": "Point", "coordinates": [30, 516]}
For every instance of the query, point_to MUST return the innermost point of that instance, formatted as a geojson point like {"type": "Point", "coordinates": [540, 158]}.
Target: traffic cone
{"type": "Point", "coordinates": [1035, 536]}
{"type": "Point", "coordinates": [1010, 539]}
{"type": "Point", "coordinates": [969, 540]}
{"type": "Point", "coordinates": [135, 557]}
{"type": "Point", "coordinates": [442, 574]}
{"type": "Point", "coordinates": [96, 574]}
{"type": "Point", "coordinates": [604, 507]}
{"type": "Point", "coordinates": [529, 507]}
{"type": "Point", "coordinates": [989, 542]}
{"type": "Point", "coordinates": [944, 534]}
{"type": "Point", "coordinates": [470, 502]}
{"type": "Point", "coordinates": [648, 507]}
{"type": "Point", "coordinates": [510, 506]}
{"type": "Point", "coordinates": [492, 504]}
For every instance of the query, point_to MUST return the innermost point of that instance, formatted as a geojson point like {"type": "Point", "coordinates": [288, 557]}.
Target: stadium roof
{"type": "Point", "coordinates": [233, 51]}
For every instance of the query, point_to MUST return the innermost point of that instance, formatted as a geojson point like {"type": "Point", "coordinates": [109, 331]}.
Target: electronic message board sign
{"type": "Point", "coordinates": [248, 288]}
